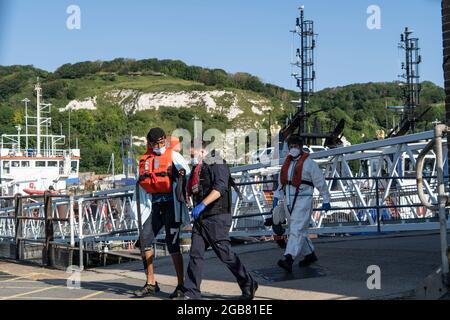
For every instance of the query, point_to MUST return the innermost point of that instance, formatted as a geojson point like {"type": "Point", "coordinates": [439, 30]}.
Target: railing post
{"type": "Point", "coordinates": [378, 204]}
{"type": "Point", "coordinates": [49, 236]}
{"type": "Point", "coordinates": [442, 200]}
{"type": "Point", "coordinates": [72, 222]}
{"type": "Point", "coordinates": [440, 207]}
{"type": "Point", "coordinates": [18, 224]}
{"type": "Point", "coordinates": [80, 233]}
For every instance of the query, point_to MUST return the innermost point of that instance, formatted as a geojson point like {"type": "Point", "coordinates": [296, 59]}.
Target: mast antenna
{"type": "Point", "coordinates": [411, 85]}
{"type": "Point", "coordinates": [304, 64]}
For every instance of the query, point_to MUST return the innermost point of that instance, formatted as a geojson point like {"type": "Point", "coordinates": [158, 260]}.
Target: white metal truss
{"type": "Point", "coordinates": [355, 170]}
{"type": "Point", "coordinates": [353, 173]}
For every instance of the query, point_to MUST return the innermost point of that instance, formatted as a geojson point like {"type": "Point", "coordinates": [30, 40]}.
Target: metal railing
{"type": "Point", "coordinates": [80, 223]}
{"type": "Point", "coordinates": [353, 211]}
{"type": "Point", "coordinates": [32, 153]}
{"type": "Point", "coordinates": [33, 222]}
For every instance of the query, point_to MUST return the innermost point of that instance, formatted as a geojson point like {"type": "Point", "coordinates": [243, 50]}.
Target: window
{"type": "Point", "coordinates": [25, 164]}
{"type": "Point", "coordinates": [16, 164]}
{"type": "Point", "coordinates": [6, 167]}
{"type": "Point", "coordinates": [74, 166]}
{"type": "Point", "coordinates": [40, 164]}
{"type": "Point", "coordinates": [52, 164]}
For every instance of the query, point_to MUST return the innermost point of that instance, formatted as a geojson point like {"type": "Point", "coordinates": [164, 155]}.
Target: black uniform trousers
{"type": "Point", "coordinates": [213, 231]}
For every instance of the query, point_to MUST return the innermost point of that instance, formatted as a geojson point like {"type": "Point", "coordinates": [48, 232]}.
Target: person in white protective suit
{"type": "Point", "coordinates": [293, 201]}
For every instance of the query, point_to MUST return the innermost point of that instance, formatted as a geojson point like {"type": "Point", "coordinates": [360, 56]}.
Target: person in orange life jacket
{"type": "Point", "coordinates": [297, 180]}
{"type": "Point", "coordinates": [210, 187]}
{"type": "Point", "coordinates": [162, 170]}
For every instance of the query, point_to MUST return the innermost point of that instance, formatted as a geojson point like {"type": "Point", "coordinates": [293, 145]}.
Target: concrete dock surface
{"type": "Point", "coordinates": [404, 260]}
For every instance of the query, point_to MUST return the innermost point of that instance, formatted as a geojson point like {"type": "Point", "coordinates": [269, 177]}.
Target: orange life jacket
{"type": "Point", "coordinates": [298, 171]}
{"type": "Point", "coordinates": [155, 172]}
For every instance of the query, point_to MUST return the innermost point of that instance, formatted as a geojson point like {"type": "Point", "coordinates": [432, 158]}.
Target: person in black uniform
{"type": "Point", "coordinates": [210, 188]}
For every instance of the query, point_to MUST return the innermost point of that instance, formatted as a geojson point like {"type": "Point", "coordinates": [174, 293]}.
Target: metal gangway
{"type": "Point", "coordinates": [373, 188]}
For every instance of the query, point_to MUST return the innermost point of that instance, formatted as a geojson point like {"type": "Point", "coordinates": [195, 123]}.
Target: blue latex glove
{"type": "Point", "coordinates": [275, 203]}
{"type": "Point", "coordinates": [326, 207]}
{"type": "Point", "coordinates": [197, 211]}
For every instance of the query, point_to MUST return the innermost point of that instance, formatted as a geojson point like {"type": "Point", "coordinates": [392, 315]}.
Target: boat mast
{"type": "Point", "coordinates": [38, 118]}
{"type": "Point", "coordinates": [26, 101]}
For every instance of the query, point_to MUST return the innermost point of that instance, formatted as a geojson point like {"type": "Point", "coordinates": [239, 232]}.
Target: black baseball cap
{"type": "Point", "coordinates": [155, 135]}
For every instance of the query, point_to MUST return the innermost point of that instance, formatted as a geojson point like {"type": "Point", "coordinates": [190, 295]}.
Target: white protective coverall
{"type": "Point", "coordinates": [298, 242]}
{"type": "Point", "coordinates": [181, 210]}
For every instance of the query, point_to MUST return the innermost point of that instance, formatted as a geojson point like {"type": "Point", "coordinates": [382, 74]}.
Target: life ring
{"type": "Point", "coordinates": [31, 185]}
{"type": "Point", "coordinates": [421, 211]}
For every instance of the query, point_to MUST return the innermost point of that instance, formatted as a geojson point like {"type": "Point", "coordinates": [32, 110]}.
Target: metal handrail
{"type": "Point", "coordinates": [443, 198]}
{"type": "Point", "coordinates": [419, 176]}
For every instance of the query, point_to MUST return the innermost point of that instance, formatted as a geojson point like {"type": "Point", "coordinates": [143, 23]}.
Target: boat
{"type": "Point", "coordinates": [37, 161]}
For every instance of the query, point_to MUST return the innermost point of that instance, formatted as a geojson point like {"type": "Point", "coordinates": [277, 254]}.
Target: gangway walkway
{"type": "Point", "coordinates": [404, 259]}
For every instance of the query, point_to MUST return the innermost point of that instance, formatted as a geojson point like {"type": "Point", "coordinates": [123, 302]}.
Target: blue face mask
{"type": "Point", "coordinates": [195, 161]}
{"type": "Point", "coordinates": [159, 151]}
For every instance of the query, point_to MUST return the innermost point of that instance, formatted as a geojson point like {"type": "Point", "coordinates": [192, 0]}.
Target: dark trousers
{"type": "Point", "coordinates": [163, 216]}
{"type": "Point", "coordinates": [213, 232]}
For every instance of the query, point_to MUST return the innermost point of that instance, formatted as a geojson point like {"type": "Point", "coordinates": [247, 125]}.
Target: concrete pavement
{"type": "Point", "coordinates": [404, 260]}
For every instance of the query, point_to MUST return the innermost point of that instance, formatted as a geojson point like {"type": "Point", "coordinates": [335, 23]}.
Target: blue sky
{"type": "Point", "coordinates": [235, 35]}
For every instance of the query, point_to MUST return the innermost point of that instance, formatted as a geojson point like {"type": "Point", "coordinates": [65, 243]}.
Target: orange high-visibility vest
{"type": "Point", "coordinates": [298, 171]}
{"type": "Point", "coordinates": [155, 172]}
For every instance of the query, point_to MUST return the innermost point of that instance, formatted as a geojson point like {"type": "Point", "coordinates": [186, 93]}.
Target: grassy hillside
{"type": "Point", "coordinates": [99, 131]}
{"type": "Point", "coordinates": [363, 107]}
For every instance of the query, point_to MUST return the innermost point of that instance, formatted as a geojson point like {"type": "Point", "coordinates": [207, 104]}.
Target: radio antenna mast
{"type": "Point", "coordinates": [411, 84]}
{"type": "Point", "coordinates": [304, 64]}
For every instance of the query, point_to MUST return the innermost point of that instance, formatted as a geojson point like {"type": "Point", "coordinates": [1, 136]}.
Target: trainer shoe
{"type": "Point", "coordinates": [148, 289]}
{"type": "Point", "coordinates": [286, 263]}
{"type": "Point", "coordinates": [309, 259]}
{"type": "Point", "coordinates": [178, 292]}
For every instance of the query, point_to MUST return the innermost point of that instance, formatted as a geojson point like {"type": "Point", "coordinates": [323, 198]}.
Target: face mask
{"type": "Point", "coordinates": [294, 152]}
{"type": "Point", "coordinates": [195, 161]}
{"type": "Point", "coordinates": [159, 151]}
